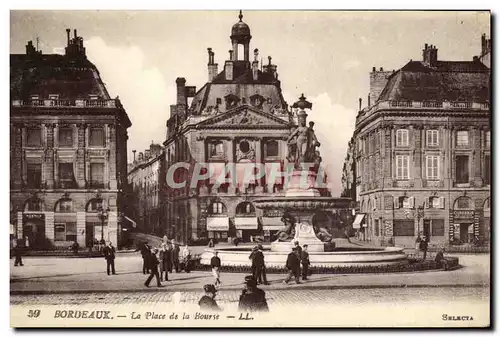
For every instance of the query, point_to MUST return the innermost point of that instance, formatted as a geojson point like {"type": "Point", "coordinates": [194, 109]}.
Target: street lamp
{"type": "Point", "coordinates": [103, 215]}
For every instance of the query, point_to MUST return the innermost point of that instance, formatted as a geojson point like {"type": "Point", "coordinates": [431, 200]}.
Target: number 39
{"type": "Point", "coordinates": [33, 313]}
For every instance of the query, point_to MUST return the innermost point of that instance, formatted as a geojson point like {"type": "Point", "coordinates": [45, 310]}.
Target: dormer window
{"type": "Point", "coordinates": [231, 101]}
{"type": "Point", "coordinates": [93, 97]}
{"type": "Point", "coordinates": [257, 100]}
{"type": "Point", "coordinates": [54, 97]}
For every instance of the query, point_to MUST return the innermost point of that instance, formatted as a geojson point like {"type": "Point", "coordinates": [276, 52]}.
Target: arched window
{"type": "Point", "coordinates": [272, 148]}
{"type": "Point", "coordinates": [94, 204]}
{"type": "Point", "coordinates": [33, 205]}
{"type": "Point", "coordinates": [217, 208]}
{"type": "Point", "coordinates": [64, 206]}
{"type": "Point", "coordinates": [463, 203]}
{"type": "Point", "coordinates": [245, 208]}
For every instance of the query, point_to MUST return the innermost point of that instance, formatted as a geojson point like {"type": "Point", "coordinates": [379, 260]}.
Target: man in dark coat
{"type": "Point", "coordinates": [257, 259]}
{"type": "Point", "coordinates": [109, 255]}
{"type": "Point", "coordinates": [424, 245]}
{"type": "Point", "coordinates": [293, 266]}
{"type": "Point", "coordinates": [207, 301]}
{"type": "Point", "coordinates": [252, 298]}
{"type": "Point", "coordinates": [175, 255]}
{"type": "Point", "coordinates": [18, 250]}
{"type": "Point", "coordinates": [145, 253]}
{"type": "Point", "coordinates": [215, 264]}
{"type": "Point", "coordinates": [304, 259]}
{"type": "Point", "coordinates": [153, 266]}
{"type": "Point", "coordinates": [298, 251]}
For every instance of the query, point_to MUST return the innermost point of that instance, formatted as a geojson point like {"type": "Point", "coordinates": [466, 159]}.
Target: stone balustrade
{"type": "Point", "coordinates": [66, 103]}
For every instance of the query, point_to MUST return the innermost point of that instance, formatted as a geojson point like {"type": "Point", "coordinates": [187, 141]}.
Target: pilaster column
{"type": "Point", "coordinates": [112, 228]}
{"type": "Point", "coordinates": [258, 160]}
{"type": "Point", "coordinates": [230, 161]}
{"type": "Point", "coordinates": [20, 225]}
{"type": "Point", "coordinates": [417, 155]}
{"type": "Point", "coordinates": [80, 156]}
{"type": "Point", "coordinates": [112, 156]}
{"type": "Point", "coordinates": [476, 156]}
{"type": "Point", "coordinates": [80, 228]}
{"type": "Point", "coordinates": [17, 159]}
{"type": "Point", "coordinates": [49, 157]}
{"type": "Point", "coordinates": [49, 226]}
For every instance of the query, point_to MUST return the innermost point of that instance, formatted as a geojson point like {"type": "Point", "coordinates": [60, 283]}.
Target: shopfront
{"type": "Point", "coordinates": [359, 225]}
{"type": "Point", "coordinates": [34, 230]}
{"type": "Point", "coordinates": [218, 227]}
{"type": "Point", "coordinates": [245, 222]}
{"type": "Point", "coordinates": [271, 224]}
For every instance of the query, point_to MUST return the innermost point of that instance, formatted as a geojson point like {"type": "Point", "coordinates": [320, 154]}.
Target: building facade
{"type": "Point", "coordinates": [238, 118]}
{"type": "Point", "coordinates": [423, 154]}
{"type": "Point", "coordinates": [146, 177]}
{"type": "Point", "coordinates": [68, 150]}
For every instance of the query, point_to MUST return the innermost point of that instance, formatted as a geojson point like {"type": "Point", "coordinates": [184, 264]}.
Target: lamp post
{"type": "Point", "coordinates": [103, 215]}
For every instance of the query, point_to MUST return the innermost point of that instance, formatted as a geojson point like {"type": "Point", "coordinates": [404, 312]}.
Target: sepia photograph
{"type": "Point", "coordinates": [250, 168]}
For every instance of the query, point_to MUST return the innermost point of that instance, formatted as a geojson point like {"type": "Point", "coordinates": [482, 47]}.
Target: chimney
{"type": "Point", "coordinates": [75, 34]}
{"type": "Point", "coordinates": [374, 69]}
{"type": "Point", "coordinates": [475, 58]}
{"type": "Point", "coordinates": [360, 102]}
{"type": "Point", "coordinates": [429, 54]}
{"type": "Point", "coordinates": [133, 151]}
{"type": "Point", "coordinates": [68, 31]}
{"type": "Point", "coordinates": [368, 100]}
{"type": "Point", "coordinates": [228, 69]}
{"type": "Point", "coordinates": [381, 69]}
{"type": "Point", "coordinates": [231, 53]}
{"type": "Point", "coordinates": [255, 65]}
{"type": "Point", "coordinates": [141, 156]}
{"type": "Point", "coordinates": [212, 67]}
{"type": "Point", "coordinates": [181, 96]}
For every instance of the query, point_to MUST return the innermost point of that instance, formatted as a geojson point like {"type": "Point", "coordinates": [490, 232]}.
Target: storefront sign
{"type": "Point", "coordinates": [34, 216]}
{"type": "Point", "coordinates": [217, 223]}
{"type": "Point", "coordinates": [245, 223]}
{"type": "Point", "coordinates": [463, 214]}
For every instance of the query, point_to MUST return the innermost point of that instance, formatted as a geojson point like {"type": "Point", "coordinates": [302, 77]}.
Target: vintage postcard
{"type": "Point", "coordinates": [250, 168]}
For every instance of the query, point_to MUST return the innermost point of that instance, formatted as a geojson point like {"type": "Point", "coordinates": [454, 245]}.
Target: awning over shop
{"type": "Point", "coordinates": [218, 223]}
{"type": "Point", "coordinates": [272, 223]}
{"type": "Point", "coordinates": [134, 224]}
{"type": "Point", "coordinates": [357, 220]}
{"type": "Point", "coordinates": [12, 229]}
{"type": "Point", "coordinates": [245, 222]}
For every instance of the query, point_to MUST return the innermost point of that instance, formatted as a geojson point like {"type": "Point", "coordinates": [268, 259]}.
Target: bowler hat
{"type": "Point", "coordinates": [250, 281]}
{"type": "Point", "coordinates": [209, 288]}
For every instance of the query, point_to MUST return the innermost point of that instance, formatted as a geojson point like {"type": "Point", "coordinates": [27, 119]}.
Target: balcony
{"type": "Point", "coordinates": [65, 103]}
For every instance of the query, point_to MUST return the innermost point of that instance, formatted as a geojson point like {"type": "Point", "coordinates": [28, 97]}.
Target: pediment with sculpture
{"type": "Point", "coordinates": [245, 117]}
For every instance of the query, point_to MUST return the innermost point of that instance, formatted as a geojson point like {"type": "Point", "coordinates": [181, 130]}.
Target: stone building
{"type": "Point", "coordinates": [146, 177]}
{"type": "Point", "coordinates": [68, 149]}
{"type": "Point", "coordinates": [423, 153]}
{"type": "Point", "coordinates": [485, 55]}
{"type": "Point", "coordinates": [238, 117]}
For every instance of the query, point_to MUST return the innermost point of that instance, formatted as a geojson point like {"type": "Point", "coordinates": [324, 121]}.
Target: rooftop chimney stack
{"type": "Point", "coordinates": [68, 31]}
{"type": "Point", "coordinates": [75, 34]}
{"type": "Point", "coordinates": [228, 67]}
{"type": "Point", "coordinates": [231, 55]}
{"type": "Point", "coordinates": [255, 65]}
{"type": "Point", "coordinates": [430, 55]}
{"type": "Point", "coordinates": [368, 100]}
{"type": "Point", "coordinates": [181, 97]}
{"type": "Point", "coordinates": [360, 102]}
{"type": "Point", "coordinates": [212, 67]}
{"type": "Point", "coordinates": [134, 151]}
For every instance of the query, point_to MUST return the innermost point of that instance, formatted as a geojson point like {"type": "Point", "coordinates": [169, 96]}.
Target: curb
{"type": "Point", "coordinates": [290, 287]}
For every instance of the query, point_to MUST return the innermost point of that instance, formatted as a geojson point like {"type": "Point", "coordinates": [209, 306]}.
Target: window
{"type": "Point", "coordinates": [488, 139]}
{"type": "Point", "coordinates": [432, 137]}
{"type": "Point", "coordinates": [34, 204]}
{"type": "Point", "coordinates": [402, 167]}
{"type": "Point", "coordinates": [34, 175]}
{"type": "Point", "coordinates": [65, 231]}
{"type": "Point", "coordinates": [65, 206]}
{"type": "Point", "coordinates": [94, 205]}
{"type": "Point", "coordinates": [65, 137]}
{"type": "Point", "coordinates": [218, 101]}
{"type": "Point", "coordinates": [462, 138]}
{"type": "Point", "coordinates": [245, 208]}
{"type": "Point", "coordinates": [216, 149]}
{"type": "Point", "coordinates": [96, 136]}
{"type": "Point", "coordinates": [462, 169]}
{"type": "Point", "coordinates": [437, 227]}
{"type": "Point", "coordinates": [377, 227]}
{"type": "Point", "coordinates": [434, 202]}
{"type": "Point", "coordinates": [217, 208]}
{"type": "Point", "coordinates": [432, 167]}
{"type": "Point", "coordinates": [97, 175]}
{"type": "Point", "coordinates": [406, 202]}
{"type": "Point", "coordinates": [54, 97]}
{"type": "Point", "coordinates": [272, 148]}
{"type": "Point", "coordinates": [402, 137]}
{"type": "Point", "coordinates": [487, 170]}
{"type": "Point", "coordinates": [66, 175]}
{"type": "Point", "coordinates": [34, 136]}
{"type": "Point", "coordinates": [404, 227]}
{"type": "Point", "coordinates": [463, 203]}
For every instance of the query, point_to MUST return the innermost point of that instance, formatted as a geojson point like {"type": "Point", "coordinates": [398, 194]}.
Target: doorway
{"type": "Point", "coordinates": [466, 232]}
{"type": "Point", "coordinates": [89, 234]}
{"type": "Point", "coordinates": [427, 229]}
{"type": "Point", "coordinates": [34, 231]}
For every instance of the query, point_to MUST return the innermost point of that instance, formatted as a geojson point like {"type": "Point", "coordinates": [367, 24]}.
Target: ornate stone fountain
{"type": "Point", "coordinates": [302, 200]}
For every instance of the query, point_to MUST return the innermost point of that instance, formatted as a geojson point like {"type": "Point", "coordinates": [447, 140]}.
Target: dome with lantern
{"type": "Point", "coordinates": [241, 31]}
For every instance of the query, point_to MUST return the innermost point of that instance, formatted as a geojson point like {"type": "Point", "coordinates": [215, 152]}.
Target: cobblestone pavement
{"type": "Point", "coordinates": [229, 299]}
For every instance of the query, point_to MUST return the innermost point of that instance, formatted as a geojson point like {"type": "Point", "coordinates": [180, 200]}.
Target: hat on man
{"type": "Point", "coordinates": [250, 281]}
{"type": "Point", "coordinates": [260, 246]}
{"type": "Point", "coordinates": [255, 248]}
{"type": "Point", "coordinates": [209, 288]}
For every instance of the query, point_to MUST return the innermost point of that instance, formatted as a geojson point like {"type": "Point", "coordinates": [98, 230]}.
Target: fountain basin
{"type": "Point", "coordinates": [341, 257]}
{"type": "Point", "coordinates": [302, 203]}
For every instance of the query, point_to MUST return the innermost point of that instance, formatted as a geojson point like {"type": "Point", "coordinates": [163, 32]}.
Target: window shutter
{"type": "Point", "coordinates": [396, 202]}
{"type": "Point", "coordinates": [441, 202]}
{"type": "Point", "coordinates": [412, 202]}
{"type": "Point", "coordinates": [426, 203]}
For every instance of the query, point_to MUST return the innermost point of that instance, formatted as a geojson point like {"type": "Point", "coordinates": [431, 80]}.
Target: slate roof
{"type": "Point", "coordinates": [54, 74]}
{"type": "Point", "coordinates": [242, 73]}
{"type": "Point", "coordinates": [447, 81]}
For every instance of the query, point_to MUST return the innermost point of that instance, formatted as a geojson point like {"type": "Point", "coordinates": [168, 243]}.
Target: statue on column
{"type": "Point", "coordinates": [302, 143]}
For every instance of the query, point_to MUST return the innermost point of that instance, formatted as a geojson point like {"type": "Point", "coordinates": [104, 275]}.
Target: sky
{"type": "Point", "coordinates": [326, 55]}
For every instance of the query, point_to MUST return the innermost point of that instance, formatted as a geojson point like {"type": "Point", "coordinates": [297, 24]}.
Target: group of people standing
{"type": "Point", "coordinates": [168, 257]}
{"type": "Point", "coordinates": [299, 256]}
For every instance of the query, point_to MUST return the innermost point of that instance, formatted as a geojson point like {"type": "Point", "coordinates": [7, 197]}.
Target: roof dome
{"type": "Point", "coordinates": [240, 31]}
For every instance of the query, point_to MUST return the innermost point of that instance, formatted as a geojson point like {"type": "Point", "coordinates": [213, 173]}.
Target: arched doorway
{"type": "Point", "coordinates": [34, 224]}
{"type": "Point", "coordinates": [217, 220]}
{"type": "Point", "coordinates": [94, 228]}
{"type": "Point", "coordinates": [64, 222]}
{"type": "Point", "coordinates": [463, 220]}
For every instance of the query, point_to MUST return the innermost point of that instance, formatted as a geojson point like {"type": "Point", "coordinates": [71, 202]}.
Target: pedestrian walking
{"type": "Point", "coordinates": [263, 272]}
{"type": "Point", "coordinates": [153, 260]}
{"type": "Point", "coordinates": [211, 243]}
{"type": "Point", "coordinates": [18, 251]}
{"type": "Point", "coordinates": [424, 244]}
{"type": "Point", "coordinates": [185, 258]}
{"type": "Point", "coordinates": [109, 255]}
{"type": "Point", "coordinates": [293, 266]}
{"type": "Point", "coordinates": [145, 253]}
{"type": "Point", "coordinates": [215, 264]}
{"type": "Point", "coordinates": [299, 254]}
{"type": "Point", "coordinates": [207, 301]}
{"type": "Point", "coordinates": [305, 263]}
{"type": "Point", "coordinates": [252, 299]}
{"type": "Point", "coordinates": [346, 234]}
{"type": "Point", "coordinates": [74, 247]}
{"type": "Point", "coordinates": [164, 260]}
{"type": "Point", "coordinates": [175, 255]}
{"type": "Point", "coordinates": [257, 261]}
